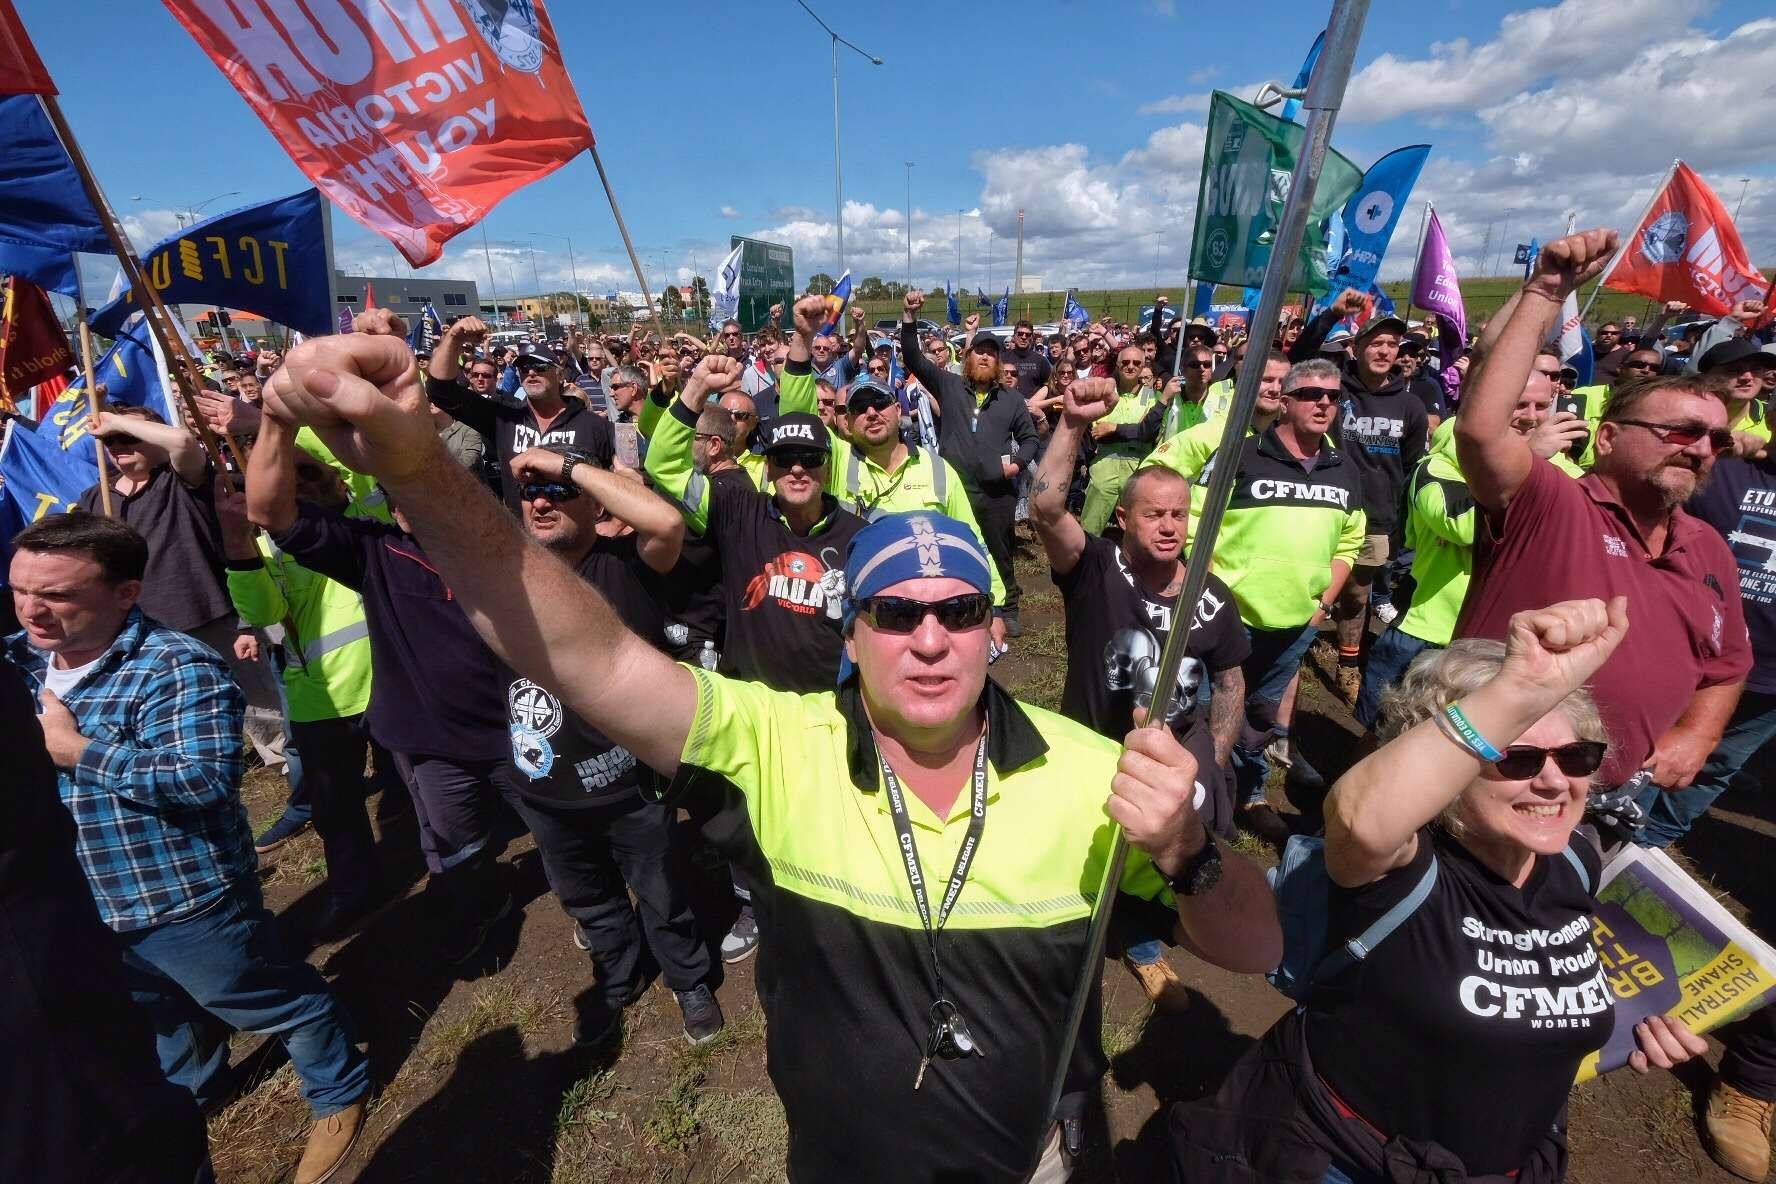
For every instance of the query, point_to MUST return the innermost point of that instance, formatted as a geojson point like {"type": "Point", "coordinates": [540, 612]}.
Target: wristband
{"type": "Point", "coordinates": [1468, 735]}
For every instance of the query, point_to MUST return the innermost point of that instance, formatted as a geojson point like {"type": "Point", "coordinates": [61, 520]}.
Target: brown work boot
{"type": "Point", "coordinates": [1162, 984]}
{"type": "Point", "coordinates": [1738, 1128]}
{"type": "Point", "coordinates": [330, 1142]}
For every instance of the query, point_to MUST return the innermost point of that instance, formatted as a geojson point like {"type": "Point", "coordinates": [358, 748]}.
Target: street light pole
{"type": "Point", "coordinates": [1744, 184]}
{"type": "Point", "coordinates": [572, 270]}
{"type": "Point", "coordinates": [838, 172]}
{"type": "Point", "coordinates": [909, 226]}
{"type": "Point", "coordinates": [959, 248]}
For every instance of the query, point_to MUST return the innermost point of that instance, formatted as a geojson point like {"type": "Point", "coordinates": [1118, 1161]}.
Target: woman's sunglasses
{"type": "Point", "coordinates": [1581, 758]}
{"type": "Point", "coordinates": [900, 614]}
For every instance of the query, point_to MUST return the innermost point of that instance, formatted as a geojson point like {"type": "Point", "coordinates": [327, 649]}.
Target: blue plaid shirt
{"type": "Point", "coordinates": [162, 833]}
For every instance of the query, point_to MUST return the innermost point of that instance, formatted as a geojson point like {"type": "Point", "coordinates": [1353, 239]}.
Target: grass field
{"type": "Point", "coordinates": [1481, 297]}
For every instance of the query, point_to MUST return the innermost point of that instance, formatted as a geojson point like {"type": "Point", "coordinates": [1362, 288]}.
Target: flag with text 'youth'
{"type": "Point", "coordinates": [269, 259]}
{"type": "Point", "coordinates": [1002, 308]}
{"type": "Point", "coordinates": [416, 119]}
{"type": "Point", "coordinates": [21, 70]}
{"type": "Point", "coordinates": [1687, 248]}
{"type": "Point", "coordinates": [952, 311]}
{"type": "Point", "coordinates": [1369, 218]}
{"type": "Point", "coordinates": [1075, 314]}
{"type": "Point", "coordinates": [724, 298]}
{"type": "Point", "coordinates": [1437, 289]}
{"type": "Point", "coordinates": [836, 302]}
{"type": "Point", "coordinates": [1292, 107]}
{"type": "Point", "coordinates": [41, 477]}
{"type": "Point", "coordinates": [44, 213]}
{"type": "Point", "coordinates": [1248, 164]}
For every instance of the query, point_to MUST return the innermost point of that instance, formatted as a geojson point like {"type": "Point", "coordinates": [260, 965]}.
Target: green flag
{"type": "Point", "coordinates": [1248, 162]}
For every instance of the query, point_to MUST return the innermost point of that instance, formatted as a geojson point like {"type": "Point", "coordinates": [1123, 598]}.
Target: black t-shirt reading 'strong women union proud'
{"type": "Point", "coordinates": [1467, 1024]}
{"type": "Point", "coordinates": [557, 758]}
{"type": "Point", "coordinates": [1116, 630]}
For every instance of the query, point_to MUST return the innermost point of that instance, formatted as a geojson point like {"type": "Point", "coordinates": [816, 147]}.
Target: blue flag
{"type": "Point", "coordinates": [981, 300]}
{"type": "Point", "coordinates": [1002, 308]}
{"type": "Point", "coordinates": [44, 212]}
{"type": "Point", "coordinates": [130, 374]}
{"type": "Point", "coordinates": [1384, 304]}
{"type": "Point", "coordinates": [40, 476]}
{"type": "Point", "coordinates": [1527, 256]}
{"type": "Point", "coordinates": [953, 312]}
{"type": "Point", "coordinates": [428, 326]}
{"type": "Point", "coordinates": [1144, 317]}
{"type": "Point", "coordinates": [1292, 107]}
{"type": "Point", "coordinates": [1249, 299]}
{"type": "Point", "coordinates": [1075, 314]}
{"type": "Point", "coordinates": [268, 259]}
{"type": "Point", "coordinates": [1202, 299]}
{"type": "Point", "coordinates": [1370, 217]}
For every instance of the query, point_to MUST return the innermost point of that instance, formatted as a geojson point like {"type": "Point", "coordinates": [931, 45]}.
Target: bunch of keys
{"type": "Point", "coordinates": [949, 1038]}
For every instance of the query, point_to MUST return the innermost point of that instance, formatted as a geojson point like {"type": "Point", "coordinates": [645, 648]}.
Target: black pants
{"type": "Point", "coordinates": [998, 518]}
{"type": "Point", "coordinates": [589, 854]}
{"type": "Point", "coordinates": [333, 782]}
{"type": "Point", "coordinates": [1750, 1063]}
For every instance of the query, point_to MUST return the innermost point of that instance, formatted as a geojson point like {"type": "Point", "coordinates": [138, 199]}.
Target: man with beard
{"type": "Point", "coordinates": [1120, 603]}
{"type": "Point", "coordinates": [549, 414]}
{"type": "Point", "coordinates": [985, 431]}
{"type": "Point", "coordinates": [1026, 359]}
{"type": "Point", "coordinates": [1119, 437]}
{"type": "Point", "coordinates": [1669, 690]}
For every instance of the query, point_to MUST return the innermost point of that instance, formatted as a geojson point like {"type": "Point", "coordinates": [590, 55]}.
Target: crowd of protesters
{"type": "Point", "coordinates": [647, 593]}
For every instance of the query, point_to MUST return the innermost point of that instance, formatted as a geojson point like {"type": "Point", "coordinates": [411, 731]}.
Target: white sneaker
{"type": "Point", "coordinates": [1384, 612]}
{"type": "Point", "coordinates": [741, 940]}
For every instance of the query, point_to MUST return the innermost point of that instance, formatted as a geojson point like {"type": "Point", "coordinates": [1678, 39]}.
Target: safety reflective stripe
{"type": "Point", "coordinates": [854, 483]}
{"type": "Point", "coordinates": [328, 642]}
{"type": "Point", "coordinates": [693, 494]}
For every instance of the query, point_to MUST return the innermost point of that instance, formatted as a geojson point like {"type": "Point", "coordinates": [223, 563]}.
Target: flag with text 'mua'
{"type": "Point", "coordinates": [1687, 248]}
{"type": "Point", "coordinates": [415, 119]}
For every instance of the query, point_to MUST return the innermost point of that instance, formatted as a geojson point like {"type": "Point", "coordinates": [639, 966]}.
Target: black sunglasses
{"type": "Point", "coordinates": [1312, 394]}
{"type": "Point", "coordinates": [901, 614]}
{"type": "Point", "coordinates": [1204, 364]}
{"type": "Point", "coordinates": [1581, 758]}
{"type": "Point", "coordinates": [808, 459]}
{"type": "Point", "coordinates": [534, 368]}
{"type": "Point", "coordinates": [1684, 434]}
{"type": "Point", "coordinates": [555, 491]}
{"type": "Point", "coordinates": [871, 401]}
{"type": "Point", "coordinates": [1638, 366]}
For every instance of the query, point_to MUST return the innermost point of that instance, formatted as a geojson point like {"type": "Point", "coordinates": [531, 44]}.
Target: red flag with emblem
{"type": "Point", "coordinates": [1687, 248]}
{"type": "Point", "coordinates": [33, 348]}
{"type": "Point", "coordinates": [415, 119]}
{"type": "Point", "coordinates": [21, 70]}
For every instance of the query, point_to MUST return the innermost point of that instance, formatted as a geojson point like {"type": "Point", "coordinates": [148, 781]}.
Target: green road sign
{"type": "Point", "coordinates": [767, 277]}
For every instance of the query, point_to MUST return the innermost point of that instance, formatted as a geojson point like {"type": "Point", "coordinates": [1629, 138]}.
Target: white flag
{"type": "Point", "coordinates": [724, 300]}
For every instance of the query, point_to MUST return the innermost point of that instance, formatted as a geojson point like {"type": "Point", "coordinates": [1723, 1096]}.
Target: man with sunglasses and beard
{"type": "Point", "coordinates": [549, 414]}
{"type": "Point", "coordinates": [947, 1006]}
{"type": "Point", "coordinates": [985, 431]}
{"type": "Point", "coordinates": [1669, 690]}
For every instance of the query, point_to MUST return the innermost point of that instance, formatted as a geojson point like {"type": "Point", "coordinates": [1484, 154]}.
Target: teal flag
{"type": "Point", "coordinates": [1248, 163]}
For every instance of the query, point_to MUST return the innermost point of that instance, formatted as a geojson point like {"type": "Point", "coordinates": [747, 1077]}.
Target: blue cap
{"type": "Point", "coordinates": [912, 545]}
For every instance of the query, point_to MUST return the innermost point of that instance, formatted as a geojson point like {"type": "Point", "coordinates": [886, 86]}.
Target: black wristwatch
{"type": "Point", "coordinates": [1202, 873]}
{"type": "Point", "coordinates": [570, 459]}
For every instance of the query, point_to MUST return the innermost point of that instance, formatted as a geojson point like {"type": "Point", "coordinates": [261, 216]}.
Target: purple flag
{"type": "Point", "coordinates": [1436, 289]}
{"type": "Point", "coordinates": [345, 320]}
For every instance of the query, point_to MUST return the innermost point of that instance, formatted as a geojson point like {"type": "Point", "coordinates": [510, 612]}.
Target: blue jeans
{"type": "Point", "coordinates": [1389, 656]}
{"type": "Point", "coordinates": [1145, 953]}
{"type": "Point", "coordinates": [1276, 656]}
{"type": "Point", "coordinates": [1341, 1175]}
{"type": "Point", "coordinates": [226, 968]}
{"type": "Point", "coordinates": [1671, 813]}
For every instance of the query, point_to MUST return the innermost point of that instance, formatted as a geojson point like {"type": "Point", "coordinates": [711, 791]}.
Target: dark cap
{"type": "Point", "coordinates": [867, 386]}
{"type": "Point", "coordinates": [1728, 352]}
{"type": "Point", "coordinates": [986, 341]}
{"type": "Point", "coordinates": [1377, 324]}
{"type": "Point", "coordinates": [1414, 341]}
{"type": "Point", "coordinates": [532, 358]}
{"type": "Point", "coordinates": [798, 429]}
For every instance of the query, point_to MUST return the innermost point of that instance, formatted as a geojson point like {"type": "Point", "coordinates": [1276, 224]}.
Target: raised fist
{"type": "Point", "coordinates": [1088, 400]}
{"type": "Point", "coordinates": [1568, 262]}
{"type": "Point", "coordinates": [469, 329]}
{"type": "Point", "coordinates": [971, 322]}
{"type": "Point", "coordinates": [809, 313]}
{"type": "Point", "coordinates": [1748, 311]}
{"type": "Point", "coordinates": [720, 373]}
{"type": "Point", "coordinates": [913, 302]}
{"type": "Point", "coordinates": [856, 316]}
{"type": "Point", "coordinates": [379, 321]}
{"type": "Point", "coordinates": [1350, 302]}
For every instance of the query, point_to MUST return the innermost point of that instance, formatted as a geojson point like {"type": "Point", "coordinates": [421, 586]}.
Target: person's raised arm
{"type": "Point", "coordinates": [1496, 460]}
{"type": "Point", "coordinates": [1084, 403]}
{"type": "Point", "coordinates": [444, 385]}
{"type": "Point", "coordinates": [911, 355]}
{"type": "Point", "coordinates": [860, 340]}
{"type": "Point", "coordinates": [1314, 333]}
{"type": "Point", "coordinates": [1375, 811]}
{"type": "Point", "coordinates": [271, 477]}
{"type": "Point", "coordinates": [659, 529]}
{"type": "Point", "coordinates": [363, 396]}
{"type": "Point", "coordinates": [184, 453]}
{"type": "Point", "coordinates": [670, 461]}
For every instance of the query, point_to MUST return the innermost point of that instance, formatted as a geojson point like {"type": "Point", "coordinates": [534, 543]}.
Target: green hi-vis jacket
{"type": "Point", "coordinates": [328, 673]}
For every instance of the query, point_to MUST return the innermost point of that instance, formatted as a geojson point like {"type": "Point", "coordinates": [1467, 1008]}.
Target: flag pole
{"type": "Point", "coordinates": [1622, 250]}
{"type": "Point", "coordinates": [1325, 95]}
{"type": "Point", "coordinates": [93, 406]}
{"type": "Point", "coordinates": [1424, 215]}
{"type": "Point", "coordinates": [146, 296]}
{"type": "Point", "coordinates": [628, 243]}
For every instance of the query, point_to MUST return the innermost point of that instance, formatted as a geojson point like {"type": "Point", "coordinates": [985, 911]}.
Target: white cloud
{"type": "Point", "coordinates": [1176, 105]}
{"type": "Point", "coordinates": [730, 213]}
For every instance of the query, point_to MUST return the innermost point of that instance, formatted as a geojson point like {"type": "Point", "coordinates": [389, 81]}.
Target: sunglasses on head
{"type": "Point", "coordinates": [1581, 758]}
{"type": "Point", "coordinates": [1685, 434]}
{"type": "Point", "coordinates": [807, 459]}
{"type": "Point", "coordinates": [901, 614]}
{"type": "Point", "coordinates": [555, 491]}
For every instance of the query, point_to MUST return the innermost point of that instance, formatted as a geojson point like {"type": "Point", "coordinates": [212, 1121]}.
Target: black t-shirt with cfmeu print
{"type": "Point", "coordinates": [1466, 1025]}
{"type": "Point", "coordinates": [785, 592]}
{"type": "Point", "coordinates": [557, 758]}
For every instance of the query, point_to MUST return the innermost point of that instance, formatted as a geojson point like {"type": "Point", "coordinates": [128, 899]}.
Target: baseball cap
{"type": "Point", "coordinates": [1728, 352]}
{"type": "Point", "coordinates": [1570, 374]}
{"type": "Point", "coordinates": [1335, 341]}
{"type": "Point", "coordinates": [1377, 324]}
{"type": "Point", "coordinates": [866, 387]}
{"type": "Point", "coordinates": [532, 358]}
{"type": "Point", "coordinates": [986, 341]}
{"type": "Point", "coordinates": [798, 429]}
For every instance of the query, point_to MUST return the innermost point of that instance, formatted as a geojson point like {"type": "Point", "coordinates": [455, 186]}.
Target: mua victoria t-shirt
{"type": "Point", "coordinates": [1466, 1025]}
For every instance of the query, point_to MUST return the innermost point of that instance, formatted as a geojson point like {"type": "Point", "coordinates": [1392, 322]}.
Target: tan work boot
{"type": "Point", "coordinates": [1739, 1131]}
{"type": "Point", "coordinates": [330, 1142]}
{"type": "Point", "coordinates": [1162, 984]}
{"type": "Point", "coordinates": [1350, 683]}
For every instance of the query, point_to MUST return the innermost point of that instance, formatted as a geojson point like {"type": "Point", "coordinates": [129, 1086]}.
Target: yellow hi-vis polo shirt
{"type": "Point", "coordinates": [844, 974]}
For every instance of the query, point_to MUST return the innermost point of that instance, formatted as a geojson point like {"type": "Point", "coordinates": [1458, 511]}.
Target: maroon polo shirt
{"type": "Point", "coordinates": [1561, 539]}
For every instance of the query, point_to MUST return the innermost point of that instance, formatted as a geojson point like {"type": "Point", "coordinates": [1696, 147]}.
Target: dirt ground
{"type": "Point", "coordinates": [477, 1077]}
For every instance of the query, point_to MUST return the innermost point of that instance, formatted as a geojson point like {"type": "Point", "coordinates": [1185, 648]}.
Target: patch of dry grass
{"type": "Point", "coordinates": [257, 1138]}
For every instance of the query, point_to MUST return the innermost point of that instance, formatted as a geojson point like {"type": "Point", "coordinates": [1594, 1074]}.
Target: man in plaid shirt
{"type": "Point", "coordinates": [145, 726]}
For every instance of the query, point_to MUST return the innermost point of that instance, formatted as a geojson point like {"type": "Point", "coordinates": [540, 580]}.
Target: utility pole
{"type": "Point", "coordinates": [1017, 282]}
{"type": "Point", "coordinates": [909, 226]}
{"type": "Point", "coordinates": [838, 173]}
{"type": "Point", "coordinates": [1485, 252]}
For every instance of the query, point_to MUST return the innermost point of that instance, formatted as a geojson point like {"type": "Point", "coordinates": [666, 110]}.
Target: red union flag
{"type": "Point", "coordinates": [21, 70]}
{"type": "Point", "coordinates": [32, 347]}
{"type": "Point", "coordinates": [416, 117]}
{"type": "Point", "coordinates": [1686, 248]}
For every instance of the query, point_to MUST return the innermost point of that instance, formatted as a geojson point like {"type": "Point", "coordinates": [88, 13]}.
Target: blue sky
{"type": "Point", "coordinates": [716, 118]}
